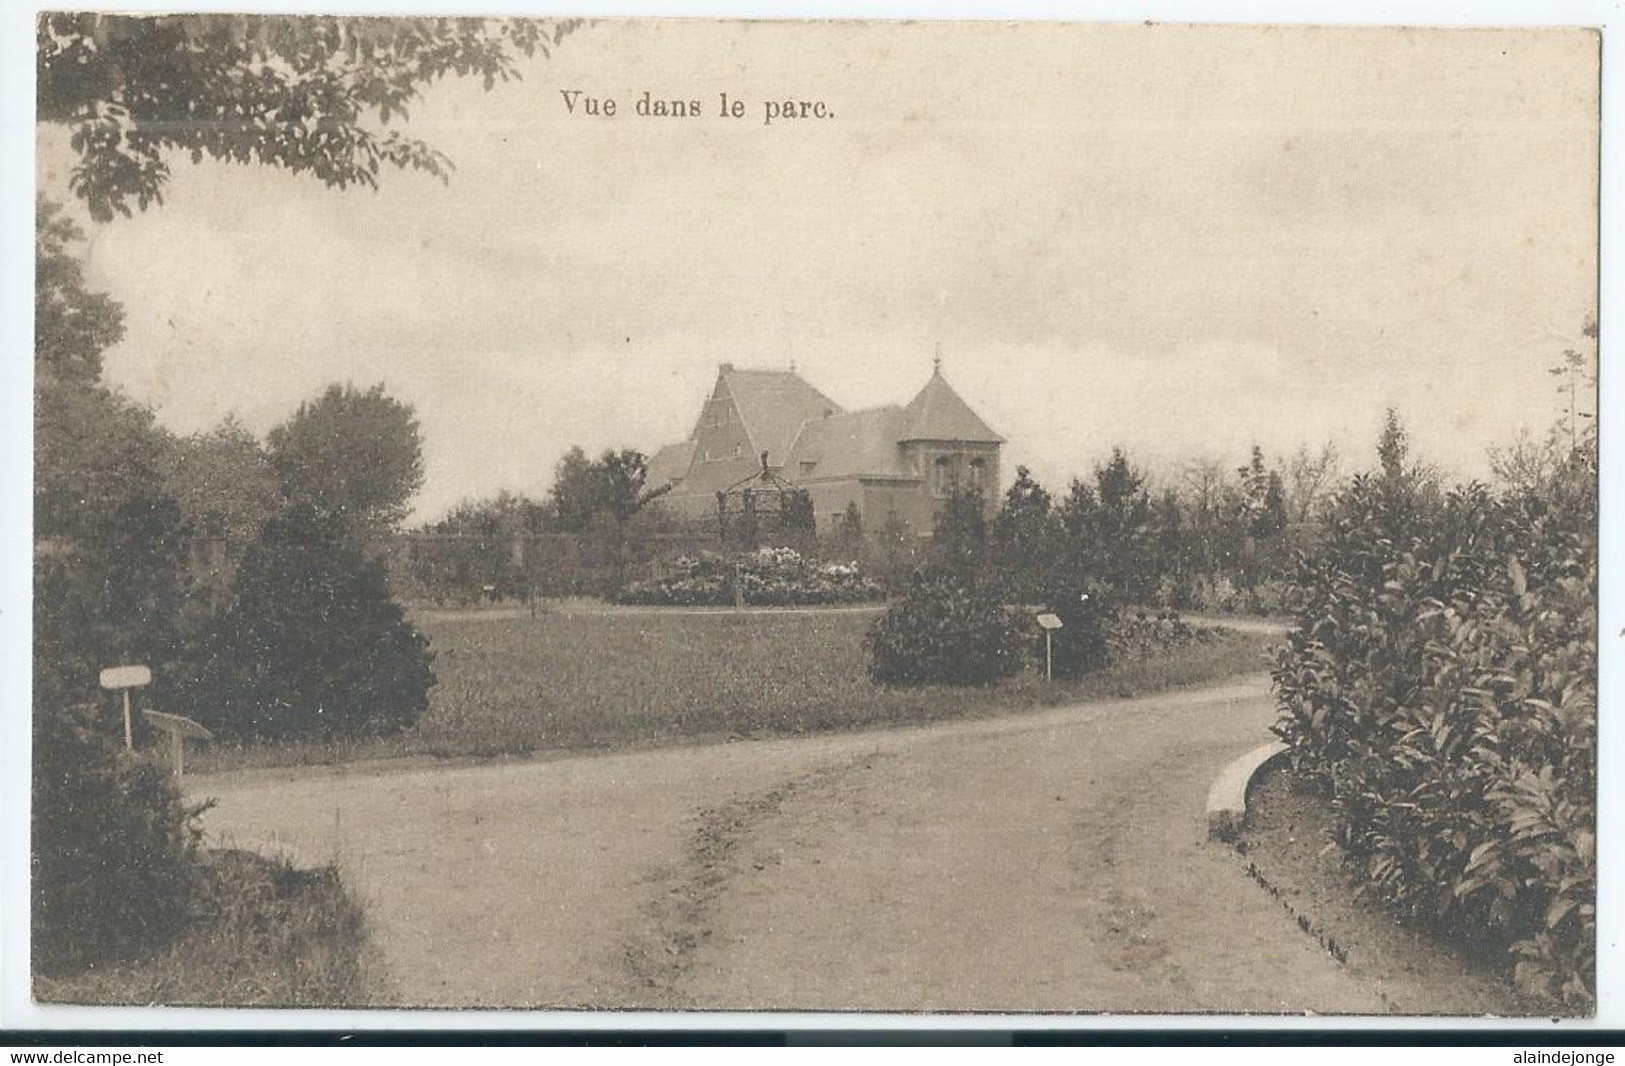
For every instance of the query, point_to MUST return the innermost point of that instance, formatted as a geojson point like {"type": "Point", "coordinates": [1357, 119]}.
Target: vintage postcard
{"type": "Point", "coordinates": [815, 516]}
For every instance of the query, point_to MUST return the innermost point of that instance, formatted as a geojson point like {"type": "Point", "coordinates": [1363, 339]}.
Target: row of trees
{"type": "Point", "coordinates": [594, 524]}
{"type": "Point", "coordinates": [1212, 539]}
{"type": "Point", "coordinates": [1211, 536]}
{"type": "Point", "coordinates": [1206, 536]}
{"type": "Point", "coordinates": [1202, 541]}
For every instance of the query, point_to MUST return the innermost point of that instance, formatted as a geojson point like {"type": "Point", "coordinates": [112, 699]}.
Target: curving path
{"type": "Point", "coordinates": [1054, 860]}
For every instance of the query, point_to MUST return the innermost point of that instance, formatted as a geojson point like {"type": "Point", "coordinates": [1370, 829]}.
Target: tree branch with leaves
{"type": "Point", "coordinates": [307, 94]}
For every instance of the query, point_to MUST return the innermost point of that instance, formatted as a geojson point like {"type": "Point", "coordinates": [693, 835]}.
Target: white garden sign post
{"type": "Point", "coordinates": [1050, 623]}
{"type": "Point", "coordinates": [122, 679]}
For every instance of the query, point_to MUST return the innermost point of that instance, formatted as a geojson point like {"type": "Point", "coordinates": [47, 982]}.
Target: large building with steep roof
{"type": "Point", "coordinates": [890, 461]}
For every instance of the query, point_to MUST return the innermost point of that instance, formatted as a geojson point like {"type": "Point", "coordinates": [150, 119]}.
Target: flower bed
{"type": "Point", "coordinates": [1146, 633]}
{"type": "Point", "coordinates": [768, 577]}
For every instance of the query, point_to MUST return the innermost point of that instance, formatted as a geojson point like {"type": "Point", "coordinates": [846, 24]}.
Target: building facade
{"type": "Point", "coordinates": [889, 461]}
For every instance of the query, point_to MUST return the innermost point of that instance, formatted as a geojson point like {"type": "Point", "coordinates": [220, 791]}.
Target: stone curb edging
{"type": "Point", "coordinates": [1227, 799]}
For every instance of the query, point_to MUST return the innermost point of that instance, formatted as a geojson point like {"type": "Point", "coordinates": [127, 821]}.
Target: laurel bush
{"type": "Point", "coordinates": [1442, 680]}
{"type": "Point", "coordinates": [946, 629]}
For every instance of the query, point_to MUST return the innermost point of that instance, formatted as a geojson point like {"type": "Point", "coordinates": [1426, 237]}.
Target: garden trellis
{"type": "Point", "coordinates": [753, 506]}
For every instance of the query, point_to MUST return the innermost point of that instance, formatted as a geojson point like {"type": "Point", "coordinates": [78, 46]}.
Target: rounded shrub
{"type": "Point", "coordinates": [944, 630]}
{"type": "Point", "coordinates": [312, 645]}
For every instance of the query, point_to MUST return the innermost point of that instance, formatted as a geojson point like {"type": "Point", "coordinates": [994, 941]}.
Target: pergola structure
{"type": "Point", "coordinates": [753, 506]}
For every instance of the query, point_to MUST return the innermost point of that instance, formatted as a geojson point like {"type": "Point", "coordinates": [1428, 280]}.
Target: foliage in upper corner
{"type": "Point", "coordinates": [292, 92]}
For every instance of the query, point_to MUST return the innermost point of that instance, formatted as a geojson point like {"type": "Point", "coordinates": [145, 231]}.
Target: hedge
{"type": "Point", "coordinates": [1442, 681]}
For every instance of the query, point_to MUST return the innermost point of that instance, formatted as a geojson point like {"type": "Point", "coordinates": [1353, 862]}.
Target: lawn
{"type": "Point", "coordinates": [570, 681]}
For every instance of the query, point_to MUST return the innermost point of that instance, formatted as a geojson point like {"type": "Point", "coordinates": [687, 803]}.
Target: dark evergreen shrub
{"type": "Point", "coordinates": [799, 522]}
{"type": "Point", "coordinates": [114, 867]}
{"type": "Point", "coordinates": [946, 630]}
{"type": "Point", "coordinates": [959, 539]}
{"type": "Point", "coordinates": [1088, 622]}
{"type": "Point", "coordinates": [311, 644]}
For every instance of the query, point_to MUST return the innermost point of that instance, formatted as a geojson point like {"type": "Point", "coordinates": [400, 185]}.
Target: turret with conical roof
{"type": "Point", "coordinates": [938, 413]}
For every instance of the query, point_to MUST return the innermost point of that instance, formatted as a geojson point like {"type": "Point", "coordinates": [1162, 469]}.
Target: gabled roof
{"type": "Point", "coordinates": [854, 444]}
{"type": "Point", "coordinates": [795, 424]}
{"type": "Point", "coordinates": [669, 464]}
{"type": "Point", "coordinates": [938, 413]}
{"type": "Point", "coordinates": [773, 404]}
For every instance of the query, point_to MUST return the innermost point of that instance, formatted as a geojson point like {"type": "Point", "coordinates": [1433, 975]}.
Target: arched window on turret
{"type": "Point", "coordinates": [942, 476]}
{"type": "Point", "coordinates": [978, 475]}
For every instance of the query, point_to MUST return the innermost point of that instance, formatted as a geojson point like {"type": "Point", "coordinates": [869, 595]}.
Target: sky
{"type": "Point", "coordinates": [1179, 240]}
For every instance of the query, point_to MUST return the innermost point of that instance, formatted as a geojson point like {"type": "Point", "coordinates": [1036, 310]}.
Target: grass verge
{"type": "Point", "coordinates": [596, 681]}
{"type": "Point", "coordinates": [267, 935]}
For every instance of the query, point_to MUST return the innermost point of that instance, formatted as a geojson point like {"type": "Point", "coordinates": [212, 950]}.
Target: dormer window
{"type": "Point", "coordinates": [808, 466]}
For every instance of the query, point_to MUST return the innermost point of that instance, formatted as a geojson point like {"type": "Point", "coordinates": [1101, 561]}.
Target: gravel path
{"type": "Point", "coordinates": [1241, 623]}
{"type": "Point", "coordinates": [1053, 860]}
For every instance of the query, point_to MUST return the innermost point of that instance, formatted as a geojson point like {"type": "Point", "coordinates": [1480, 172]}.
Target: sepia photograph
{"type": "Point", "coordinates": [916, 517]}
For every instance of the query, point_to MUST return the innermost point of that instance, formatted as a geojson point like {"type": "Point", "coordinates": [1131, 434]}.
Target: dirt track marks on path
{"type": "Point", "coordinates": [1049, 862]}
{"type": "Point", "coordinates": [727, 846]}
